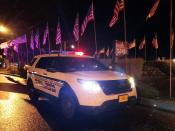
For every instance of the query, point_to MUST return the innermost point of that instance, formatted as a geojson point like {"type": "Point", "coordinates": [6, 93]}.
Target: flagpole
{"type": "Point", "coordinates": [18, 57]}
{"type": "Point", "coordinates": [39, 46]}
{"type": "Point", "coordinates": [27, 53]}
{"type": "Point", "coordinates": [33, 52]}
{"type": "Point", "coordinates": [145, 47]}
{"type": "Point", "coordinates": [95, 35]}
{"type": "Point", "coordinates": [135, 53]}
{"type": "Point", "coordinates": [156, 54]}
{"type": "Point", "coordinates": [78, 33]}
{"type": "Point", "coordinates": [49, 43]}
{"type": "Point", "coordinates": [170, 48]}
{"type": "Point", "coordinates": [124, 16]}
{"type": "Point", "coordinates": [39, 43]}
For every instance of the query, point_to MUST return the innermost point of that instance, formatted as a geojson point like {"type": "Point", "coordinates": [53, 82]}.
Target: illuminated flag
{"type": "Point", "coordinates": [15, 47]}
{"type": "Point", "coordinates": [107, 52]}
{"type": "Point", "coordinates": [76, 28]}
{"type": "Point", "coordinates": [120, 48]}
{"type": "Point", "coordinates": [153, 9]}
{"type": "Point", "coordinates": [154, 42]}
{"type": "Point", "coordinates": [89, 17]}
{"type": "Point", "coordinates": [132, 44]}
{"type": "Point", "coordinates": [37, 39]}
{"type": "Point", "coordinates": [46, 33]}
{"type": "Point", "coordinates": [142, 44]}
{"type": "Point", "coordinates": [119, 6]}
{"type": "Point", "coordinates": [32, 41]}
{"type": "Point", "coordinates": [172, 37]}
{"type": "Point", "coordinates": [58, 34]}
{"type": "Point", "coordinates": [102, 51]}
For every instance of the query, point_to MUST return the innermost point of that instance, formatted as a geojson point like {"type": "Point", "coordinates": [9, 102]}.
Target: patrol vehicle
{"type": "Point", "coordinates": [79, 82]}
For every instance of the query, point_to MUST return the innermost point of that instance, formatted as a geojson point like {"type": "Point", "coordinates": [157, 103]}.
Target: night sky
{"type": "Point", "coordinates": [24, 15]}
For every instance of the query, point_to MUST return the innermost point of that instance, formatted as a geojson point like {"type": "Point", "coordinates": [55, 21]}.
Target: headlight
{"type": "Point", "coordinates": [90, 86]}
{"type": "Point", "coordinates": [132, 82]}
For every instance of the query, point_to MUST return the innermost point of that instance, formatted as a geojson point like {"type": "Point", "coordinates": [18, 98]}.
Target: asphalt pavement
{"type": "Point", "coordinates": [18, 113]}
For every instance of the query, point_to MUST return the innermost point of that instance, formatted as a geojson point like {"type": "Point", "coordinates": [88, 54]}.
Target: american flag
{"type": "Point", "coordinates": [142, 44]}
{"type": "Point", "coordinates": [132, 44]}
{"type": "Point", "coordinates": [153, 9]}
{"type": "Point", "coordinates": [119, 6]}
{"type": "Point", "coordinates": [76, 28]}
{"type": "Point", "coordinates": [31, 41]}
{"type": "Point", "coordinates": [89, 17]}
{"type": "Point", "coordinates": [46, 32]}
{"type": "Point", "coordinates": [58, 34]}
{"type": "Point", "coordinates": [154, 42]}
{"type": "Point", "coordinates": [37, 39]}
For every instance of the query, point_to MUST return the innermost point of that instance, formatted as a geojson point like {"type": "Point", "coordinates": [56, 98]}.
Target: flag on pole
{"type": "Point", "coordinates": [58, 34]}
{"type": "Point", "coordinates": [15, 47]}
{"type": "Point", "coordinates": [142, 44]}
{"type": "Point", "coordinates": [172, 37]}
{"type": "Point", "coordinates": [76, 28]}
{"type": "Point", "coordinates": [119, 6]}
{"type": "Point", "coordinates": [32, 41]}
{"type": "Point", "coordinates": [19, 40]}
{"type": "Point", "coordinates": [37, 39]}
{"type": "Point", "coordinates": [46, 32]}
{"type": "Point", "coordinates": [132, 44]}
{"type": "Point", "coordinates": [153, 9]}
{"type": "Point", "coordinates": [89, 17]}
{"type": "Point", "coordinates": [107, 52]}
{"type": "Point", "coordinates": [102, 51]}
{"type": "Point", "coordinates": [155, 42]}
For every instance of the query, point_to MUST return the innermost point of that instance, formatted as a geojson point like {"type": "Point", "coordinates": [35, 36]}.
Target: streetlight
{"type": "Point", "coordinates": [72, 46]}
{"type": "Point", "coordinates": [3, 29]}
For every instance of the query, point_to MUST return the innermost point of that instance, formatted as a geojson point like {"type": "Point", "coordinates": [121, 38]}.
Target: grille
{"type": "Point", "coordinates": [110, 87]}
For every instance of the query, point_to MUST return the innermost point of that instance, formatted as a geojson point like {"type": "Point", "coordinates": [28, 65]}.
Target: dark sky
{"type": "Point", "coordinates": [24, 15]}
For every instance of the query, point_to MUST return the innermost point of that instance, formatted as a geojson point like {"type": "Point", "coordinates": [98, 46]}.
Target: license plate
{"type": "Point", "coordinates": [123, 98]}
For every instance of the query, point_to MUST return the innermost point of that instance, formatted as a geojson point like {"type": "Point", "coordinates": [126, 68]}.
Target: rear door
{"type": "Point", "coordinates": [40, 73]}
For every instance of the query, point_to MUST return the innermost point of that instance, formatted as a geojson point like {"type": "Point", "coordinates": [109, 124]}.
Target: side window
{"type": "Point", "coordinates": [57, 63]}
{"type": "Point", "coordinates": [33, 61]}
{"type": "Point", "coordinates": [43, 63]}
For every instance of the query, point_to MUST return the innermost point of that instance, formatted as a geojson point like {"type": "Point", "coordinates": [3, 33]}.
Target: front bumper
{"type": "Point", "coordinates": [111, 105]}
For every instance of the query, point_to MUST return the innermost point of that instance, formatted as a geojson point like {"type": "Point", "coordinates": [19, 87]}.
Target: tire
{"type": "Point", "coordinates": [68, 105]}
{"type": "Point", "coordinates": [33, 94]}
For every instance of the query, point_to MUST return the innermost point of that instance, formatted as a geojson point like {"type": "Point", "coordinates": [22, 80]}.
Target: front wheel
{"type": "Point", "coordinates": [68, 104]}
{"type": "Point", "coordinates": [33, 94]}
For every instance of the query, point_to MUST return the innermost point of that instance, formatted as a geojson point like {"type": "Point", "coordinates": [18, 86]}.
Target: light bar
{"type": "Point", "coordinates": [79, 53]}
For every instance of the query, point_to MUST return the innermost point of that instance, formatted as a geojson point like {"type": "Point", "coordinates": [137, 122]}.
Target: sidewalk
{"type": "Point", "coordinates": [13, 77]}
{"type": "Point", "coordinates": [17, 79]}
{"type": "Point", "coordinates": [163, 105]}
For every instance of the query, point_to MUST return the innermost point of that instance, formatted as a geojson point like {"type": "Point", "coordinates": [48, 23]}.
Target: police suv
{"type": "Point", "coordinates": [80, 82]}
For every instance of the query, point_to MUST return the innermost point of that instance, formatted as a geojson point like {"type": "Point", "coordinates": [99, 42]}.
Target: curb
{"type": "Point", "coordinates": [162, 105]}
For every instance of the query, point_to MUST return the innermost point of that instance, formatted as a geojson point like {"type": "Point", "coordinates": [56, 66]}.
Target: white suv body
{"type": "Point", "coordinates": [91, 82]}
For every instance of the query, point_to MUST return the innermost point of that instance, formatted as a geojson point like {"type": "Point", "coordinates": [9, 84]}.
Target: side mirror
{"type": "Point", "coordinates": [26, 67]}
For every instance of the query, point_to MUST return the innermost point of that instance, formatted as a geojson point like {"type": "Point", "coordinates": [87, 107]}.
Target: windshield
{"type": "Point", "coordinates": [71, 64]}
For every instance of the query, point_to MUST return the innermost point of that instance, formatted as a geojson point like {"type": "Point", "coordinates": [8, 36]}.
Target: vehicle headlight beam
{"type": "Point", "coordinates": [90, 86]}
